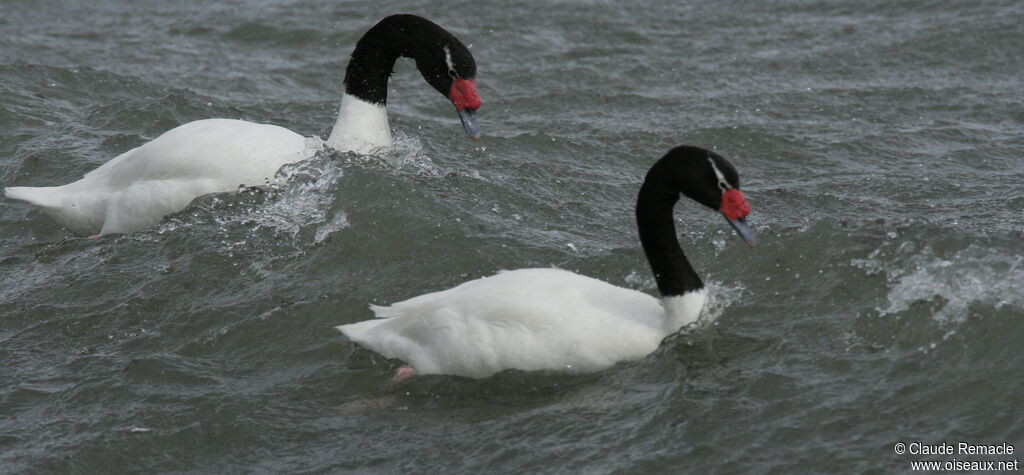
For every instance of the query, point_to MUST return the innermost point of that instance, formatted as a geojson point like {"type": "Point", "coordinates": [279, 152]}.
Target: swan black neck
{"type": "Point", "coordinates": [701, 175]}
{"type": "Point", "coordinates": [692, 172]}
{"type": "Point", "coordinates": [439, 56]}
{"type": "Point", "coordinates": [672, 270]}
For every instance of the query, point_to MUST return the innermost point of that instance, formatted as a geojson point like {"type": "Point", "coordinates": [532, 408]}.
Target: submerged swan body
{"type": "Point", "coordinates": [139, 187]}
{"type": "Point", "coordinates": [163, 176]}
{"type": "Point", "coordinates": [551, 319]}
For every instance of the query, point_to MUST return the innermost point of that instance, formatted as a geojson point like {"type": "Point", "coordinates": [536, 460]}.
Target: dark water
{"type": "Point", "coordinates": [880, 145]}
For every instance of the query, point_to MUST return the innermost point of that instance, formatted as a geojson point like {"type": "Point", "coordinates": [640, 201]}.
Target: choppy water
{"type": "Point", "coordinates": [880, 145]}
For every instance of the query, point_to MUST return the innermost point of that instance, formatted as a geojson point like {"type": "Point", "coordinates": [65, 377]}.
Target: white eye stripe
{"type": "Point", "coordinates": [722, 184]}
{"type": "Point", "coordinates": [448, 60]}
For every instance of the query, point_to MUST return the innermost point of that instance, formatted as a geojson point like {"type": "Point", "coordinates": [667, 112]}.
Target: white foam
{"type": "Point", "coordinates": [408, 152]}
{"type": "Point", "coordinates": [300, 197]}
{"type": "Point", "coordinates": [719, 296]}
{"type": "Point", "coordinates": [975, 275]}
{"type": "Point", "coordinates": [338, 222]}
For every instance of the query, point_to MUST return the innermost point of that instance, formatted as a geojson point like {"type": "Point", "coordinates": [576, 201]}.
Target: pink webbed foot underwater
{"type": "Point", "coordinates": [403, 374]}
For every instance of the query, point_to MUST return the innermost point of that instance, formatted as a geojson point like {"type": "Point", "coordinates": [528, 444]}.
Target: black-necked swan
{"type": "Point", "coordinates": [552, 319]}
{"type": "Point", "coordinates": [137, 188]}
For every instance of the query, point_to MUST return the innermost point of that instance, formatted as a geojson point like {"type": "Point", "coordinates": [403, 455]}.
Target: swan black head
{"type": "Point", "coordinates": [445, 63]}
{"type": "Point", "coordinates": [703, 176]}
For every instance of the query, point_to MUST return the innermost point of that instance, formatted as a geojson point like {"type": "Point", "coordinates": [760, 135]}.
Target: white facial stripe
{"type": "Point", "coordinates": [722, 184]}
{"type": "Point", "coordinates": [448, 60]}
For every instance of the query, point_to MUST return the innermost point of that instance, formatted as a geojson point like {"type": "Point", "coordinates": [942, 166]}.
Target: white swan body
{"type": "Point", "coordinates": [528, 319]}
{"type": "Point", "coordinates": [140, 186]}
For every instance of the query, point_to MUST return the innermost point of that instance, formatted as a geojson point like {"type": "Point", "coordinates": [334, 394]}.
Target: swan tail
{"type": "Point", "coordinates": [358, 332]}
{"type": "Point", "coordinates": [43, 196]}
{"type": "Point", "coordinates": [384, 312]}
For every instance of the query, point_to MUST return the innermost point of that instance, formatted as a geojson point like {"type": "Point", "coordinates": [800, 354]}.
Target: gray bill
{"type": "Point", "coordinates": [744, 230]}
{"type": "Point", "coordinates": [469, 122]}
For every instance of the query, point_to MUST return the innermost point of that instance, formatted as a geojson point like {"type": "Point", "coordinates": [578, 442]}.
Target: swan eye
{"type": "Point", "coordinates": [452, 74]}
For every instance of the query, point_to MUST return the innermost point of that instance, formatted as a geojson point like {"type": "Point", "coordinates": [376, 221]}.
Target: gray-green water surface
{"type": "Point", "coordinates": [879, 143]}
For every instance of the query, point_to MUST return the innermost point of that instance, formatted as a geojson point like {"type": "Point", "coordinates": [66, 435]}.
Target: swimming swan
{"type": "Point", "coordinates": [552, 319]}
{"type": "Point", "coordinates": [139, 187]}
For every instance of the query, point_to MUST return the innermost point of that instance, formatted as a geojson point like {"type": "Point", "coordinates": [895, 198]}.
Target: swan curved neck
{"type": "Point", "coordinates": [370, 67]}
{"type": "Point", "coordinates": [374, 56]}
{"type": "Point", "coordinates": [672, 270]}
{"type": "Point", "coordinates": [362, 124]}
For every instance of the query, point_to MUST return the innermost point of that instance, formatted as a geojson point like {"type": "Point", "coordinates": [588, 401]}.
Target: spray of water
{"type": "Point", "coordinates": [951, 282]}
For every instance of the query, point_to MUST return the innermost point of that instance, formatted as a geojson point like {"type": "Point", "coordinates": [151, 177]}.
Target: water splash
{"type": "Point", "coordinates": [407, 152]}
{"type": "Point", "coordinates": [719, 297]}
{"type": "Point", "coordinates": [640, 281]}
{"type": "Point", "coordinates": [950, 284]}
{"type": "Point", "coordinates": [297, 206]}
{"type": "Point", "coordinates": [302, 196]}
{"type": "Point", "coordinates": [337, 222]}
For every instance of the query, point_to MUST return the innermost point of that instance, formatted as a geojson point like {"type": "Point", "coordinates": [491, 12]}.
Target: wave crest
{"type": "Point", "coordinates": [950, 282]}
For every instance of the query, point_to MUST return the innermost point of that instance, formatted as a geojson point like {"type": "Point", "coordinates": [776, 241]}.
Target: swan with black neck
{"type": "Point", "coordinates": [552, 319]}
{"type": "Point", "coordinates": [139, 187]}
